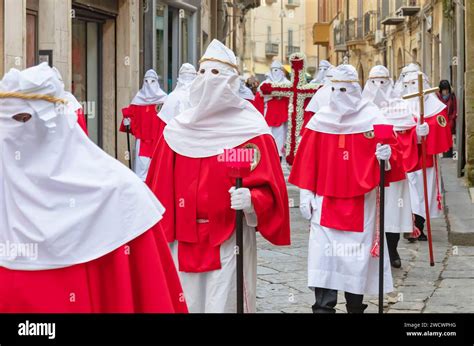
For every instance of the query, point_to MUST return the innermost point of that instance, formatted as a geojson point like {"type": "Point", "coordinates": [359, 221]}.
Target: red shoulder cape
{"type": "Point", "coordinates": [145, 126]}
{"type": "Point", "coordinates": [175, 178]}
{"type": "Point", "coordinates": [342, 169]}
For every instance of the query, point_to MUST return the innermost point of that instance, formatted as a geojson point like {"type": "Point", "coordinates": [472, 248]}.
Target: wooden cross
{"type": "Point", "coordinates": [421, 95]}
{"type": "Point", "coordinates": [297, 91]}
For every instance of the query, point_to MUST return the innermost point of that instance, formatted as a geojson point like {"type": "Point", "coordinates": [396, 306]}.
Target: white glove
{"type": "Point", "coordinates": [240, 199]}
{"type": "Point", "coordinates": [383, 152]}
{"type": "Point", "coordinates": [127, 121]}
{"type": "Point", "coordinates": [422, 130]}
{"type": "Point", "coordinates": [307, 203]}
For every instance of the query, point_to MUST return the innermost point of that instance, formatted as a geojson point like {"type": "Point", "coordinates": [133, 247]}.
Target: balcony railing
{"type": "Point", "coordinates": [409, 8]}
{"type": "Point", "coordinates": [340, 38]}
{"type": "Point", "coordinates": [292, 49]}
{"type": "Point", "coordinates": [354, 29]}
{"type": "Point", "coordinates": [293, 3]}
{"type": "Point", "coordinates": [271, 49]}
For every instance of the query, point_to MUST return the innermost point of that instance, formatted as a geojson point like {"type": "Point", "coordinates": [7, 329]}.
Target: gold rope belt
{"type": "Point", "coordinates": [17, 95]}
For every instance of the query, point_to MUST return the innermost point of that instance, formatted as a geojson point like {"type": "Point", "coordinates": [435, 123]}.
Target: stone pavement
{"type": "Point", "coordinates": [446, 287]}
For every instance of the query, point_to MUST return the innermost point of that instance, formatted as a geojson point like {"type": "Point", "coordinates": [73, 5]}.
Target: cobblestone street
{"type": "Point", "coordinates": [446, 287]}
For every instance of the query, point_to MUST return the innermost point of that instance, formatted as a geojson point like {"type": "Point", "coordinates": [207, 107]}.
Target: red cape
{"type": "Point", "coordinates": [176, 179]}
{"type": "Point", "coordinates": [145, 126]}
{"type": "Point", "coordinates": [277, 111]}
{"type": "Point", "coordinates": [258, 103]}
{"type": "Point", "coordinates": [139, 277]}
{"type": "Point", "coordinates": [342, 169]}
{"type": "Point", "coordinates": [438, 141]}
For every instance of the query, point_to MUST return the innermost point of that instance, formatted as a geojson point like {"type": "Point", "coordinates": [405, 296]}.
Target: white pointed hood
{"type": "Point", "coordinates": [323, 95]}
{"type": "Point", "coordinates": [277, 73]}
{"type": "Point", "coordinates": [433, 105]}
{"type": "Point", "coordinates": [379, 87]}
{"type": "Point", "coordinates": [150, 93]}
{"type": "Point", "coordinates": [218, 118]}
{"type": "Point", "coordinates": [178, 100]}
{"type": "Point", "coordinates": [347, 112]}
{"type": "Point", "coordinates": [320, 74]}
{"type": "Point", "coordinates": [59, 192]}
{"type": "Point", "coordinates": [398, 91]}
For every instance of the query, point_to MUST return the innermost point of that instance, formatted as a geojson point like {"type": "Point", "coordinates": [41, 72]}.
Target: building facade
{"type": "Point", "coordinates": [94, 44]}
{"type": "Point", "coordinates": [276, 29]}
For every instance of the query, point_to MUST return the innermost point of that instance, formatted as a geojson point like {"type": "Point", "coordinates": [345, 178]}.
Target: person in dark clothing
{"type": "Point", "coordinates": [447, 96]}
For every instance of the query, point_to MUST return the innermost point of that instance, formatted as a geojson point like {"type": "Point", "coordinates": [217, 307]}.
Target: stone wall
{"type": "Point", "coordinates": [469, 89]}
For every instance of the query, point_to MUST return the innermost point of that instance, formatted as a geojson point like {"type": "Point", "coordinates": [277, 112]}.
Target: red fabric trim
{"type": "Point", "coordinates": [320, 163]}
{"type": "Point", "coordinates": [184, 177]}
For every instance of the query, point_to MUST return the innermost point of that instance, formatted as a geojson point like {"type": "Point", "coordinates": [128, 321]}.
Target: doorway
{"type": "Point", "coordinates": [87, 74]}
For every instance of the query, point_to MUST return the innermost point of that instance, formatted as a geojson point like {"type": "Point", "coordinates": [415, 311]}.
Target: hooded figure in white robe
{"type": "Point", "coordinates": [320, 74]}
{"type": "Point", "coordinates": [189, 175]}
{"type": "Point", "coordinates": [178, 100]}
{"type": "Point", "coordinates": [276, 109]}
{"type": "Point", "coordinates": [150, 95]}
{"type": "Point", "coordinates": [438, 140]}
{"type": "Point", "coordinates": [338, 145]}
{"type": "Point", "coordinates": [76, 206]}
{"type": "Point", "coordinates": [398, 91]}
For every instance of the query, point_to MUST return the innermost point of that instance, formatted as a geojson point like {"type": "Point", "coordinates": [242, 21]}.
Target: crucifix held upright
{"type": "Point", "coordinates": [297, 91]}
{"type": "Point", "coordinates": [421, 95]}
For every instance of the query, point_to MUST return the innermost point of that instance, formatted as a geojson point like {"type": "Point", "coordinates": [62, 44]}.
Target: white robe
{"type": "Point", "coordinates": [215, 291]}
{"type": "Point", "coordinates": [142, 163]}
{"type": "Point", "coordinates": [341, 260]}
{"type": "Point", "coordinates": [398, 212]}
{"type": "Point", "coordinates": [417, 195]}
{"type": "Point", "coordinates": [280, 133]}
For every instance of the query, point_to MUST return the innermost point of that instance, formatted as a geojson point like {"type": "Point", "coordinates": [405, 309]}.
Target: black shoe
{"type": "Point", "coordinates": [412, 240]}
{"type": "Point", "coordinates": [356, 309]}
{"type": "Point", "coordinates": [396, 263]}
{"type": "Point", "coordinates": [422, 237]}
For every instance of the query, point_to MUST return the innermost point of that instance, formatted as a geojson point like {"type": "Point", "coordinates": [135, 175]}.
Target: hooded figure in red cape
{"type": "Point", "coordinates": [438, 140]}
{"type": "Point", "coordinates": [276, 108]}
{"type": "Point", "coordinates": [337, 169]}
{"type": "Point", "coordinates": [399, 217]}
{"type": "Point", "coordinates": [188, 174]}
{"type": "Point", "coordinates": [145, 122]}
{"type": "Point", "coordinates": [79, 231]}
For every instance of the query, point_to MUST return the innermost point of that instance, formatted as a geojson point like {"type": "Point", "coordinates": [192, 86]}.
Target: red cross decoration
{"type": "Point", "coordinates": [297, 91]}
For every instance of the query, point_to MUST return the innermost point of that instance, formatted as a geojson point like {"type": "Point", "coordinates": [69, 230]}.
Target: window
{"type": "Point", "coordinates": [32, 8]}
{"type": "Point", "coordinates": [269, 34]}
{"type": "Point", "coordinates": [290, 37]}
